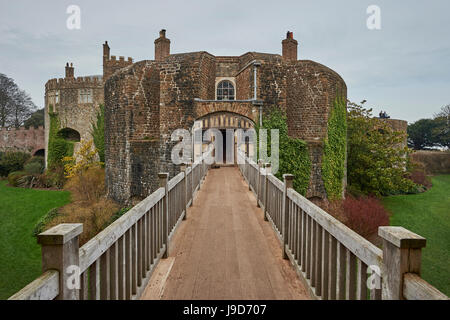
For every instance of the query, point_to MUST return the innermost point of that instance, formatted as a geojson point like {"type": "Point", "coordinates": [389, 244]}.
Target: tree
{"type": "Point", "coordinates": [441, 130]}
{"type": "Point", "coordinates": [15, 104]}
{"type": "Point", "coordinates": [420, 134]}
{"type": "Point", "coordinates": [36, 119]}
{"type": "Point", "coordinates": [376, 162]}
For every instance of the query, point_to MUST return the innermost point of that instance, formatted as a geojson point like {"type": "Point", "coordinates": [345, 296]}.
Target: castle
{"type": "Point", "coordinates": [147, 100]}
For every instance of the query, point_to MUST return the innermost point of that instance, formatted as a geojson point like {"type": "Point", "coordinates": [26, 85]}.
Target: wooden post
{"type": "Point", "coordinates": [401, 254]}
{"type": "Point", "coordinates": [267, 172]}
{"type": "Point", "coordinates": [258, 188]}
{"type": "Point", "coordinates": [163, 183]}
{"type": "Point", "coordinates": [184, 192]}
{"type": "Point", "coordinates": [60, 251]}
{"type": "Point", "coordinates": [288, 184]}
{"type": "Point", "coordinates": [191, 164]}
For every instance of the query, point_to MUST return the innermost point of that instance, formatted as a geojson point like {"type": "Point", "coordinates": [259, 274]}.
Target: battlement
{"type": "Point", "coordinates": [113, 59]}
{"type": "Point", "coordinates": [12, 129]}
{"type": "Point", "coordinates": [86, 81]}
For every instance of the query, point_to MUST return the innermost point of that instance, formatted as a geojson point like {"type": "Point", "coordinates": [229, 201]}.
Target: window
{"type": "Point", "coordinates": [53, 97]}
{"type": "Point", "coordinates": [85, 95]}
{"type": "Point", "coordinates": [225, 90]}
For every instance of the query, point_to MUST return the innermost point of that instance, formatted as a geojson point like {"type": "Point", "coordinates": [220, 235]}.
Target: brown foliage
{"type": "Point", "coordinates": [88, 185]}
{"type": "Point", "coordinates": [94, 216]}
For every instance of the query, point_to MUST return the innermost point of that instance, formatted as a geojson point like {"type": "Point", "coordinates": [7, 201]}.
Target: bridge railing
{"type": "Point", "coordinates": [333, 261]}
{"type": "Point", "coordinates": [117, 263]}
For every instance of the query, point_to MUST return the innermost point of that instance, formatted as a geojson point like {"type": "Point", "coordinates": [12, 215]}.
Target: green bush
{"type": "Point", "coordinates": [33, 168]}
{"type": "Point", "coordinates": [13, 177]}
{"type": "Point", "coordinates": [40, 225]}
{"type": "Point", "coordinates": [377, 162]}
{"type": "Point", "coordinates": [294, 157]}
{"type": "Point", "coordinates": [12, 161]}
{"type": "Point", "coordinates": [58, 147]}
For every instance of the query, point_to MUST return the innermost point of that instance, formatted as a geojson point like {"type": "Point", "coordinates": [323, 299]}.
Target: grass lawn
{"type": "Point", "coordinates": [20, 255]}
{"type": "Point", "coordinates": [428, 214]}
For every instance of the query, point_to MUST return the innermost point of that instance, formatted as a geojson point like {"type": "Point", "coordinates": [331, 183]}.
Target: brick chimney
{"type": "Point", "coordinates": [69, 70]}
{"type": "Point", "coordinates": [289, 47]}
{"type": "Point", "coordinates": [162, 46]}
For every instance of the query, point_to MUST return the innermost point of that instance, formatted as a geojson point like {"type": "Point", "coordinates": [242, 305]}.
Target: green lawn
{"type": "Point", "coordinates": [20, 255]}
{"type": "Point", "coordinates": [428, 214]}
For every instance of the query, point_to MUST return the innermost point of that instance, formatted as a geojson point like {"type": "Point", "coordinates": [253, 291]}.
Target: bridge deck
{"type": "Point", "coordinates": [224, 250]}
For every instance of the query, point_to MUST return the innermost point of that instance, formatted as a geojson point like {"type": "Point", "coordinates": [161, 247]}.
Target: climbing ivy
{"type": "Point", "coordinates": [58, 147]}
{"type": "Point", "coordinates": [98, 133]}
{"type": "Point", "coordinates": [333, 162]}
{"type": "Point", "coordinates": [294, 156]}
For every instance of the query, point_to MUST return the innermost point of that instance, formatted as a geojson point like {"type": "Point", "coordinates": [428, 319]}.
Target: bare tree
{"type": "Point", "coordinates": [15, 105]}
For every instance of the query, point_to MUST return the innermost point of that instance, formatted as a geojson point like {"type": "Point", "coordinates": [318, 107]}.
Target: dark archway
{"type": "Point", "coordinates": [69, 134]}
{"type": "Point", "coordinates": [224, 122]}
{"type": "Point", "coordinates": [39, 153]}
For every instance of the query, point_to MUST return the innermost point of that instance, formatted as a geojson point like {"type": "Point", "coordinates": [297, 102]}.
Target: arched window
{"type": "Point", "coordinates": [225, 90]}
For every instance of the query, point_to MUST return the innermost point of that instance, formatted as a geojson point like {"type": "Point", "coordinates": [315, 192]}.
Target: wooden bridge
{"type": "Point", "coordinates": [231, 233]}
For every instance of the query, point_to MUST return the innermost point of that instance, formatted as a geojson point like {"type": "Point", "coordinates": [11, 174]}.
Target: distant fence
{"type": "Point", "coordinates": [333, 261]}
{"type": "Point", "coordinates": [117, 263]}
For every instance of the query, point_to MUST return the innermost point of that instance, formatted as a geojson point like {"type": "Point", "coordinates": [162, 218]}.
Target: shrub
{"type": "Point", "coordinates": [33, 168]}
{"type": "Point", "coordinates": [88, 185]}
{"type": "Point", "coordinates": [364, 215]}
{"type": "Point", "coordinates": [53, 177]}
{"type": "Point", "coordinates": [94, 216]}
{"type": "Point", "coordinates": [13, 177]}
{"type": "Point", "coordinates": [418, 174]}
{"type": "Point", "coordinates": [46, 219]}
{"type": "Point", "coordinates": [376, 161]}
{"type": "Point", "coordinates": [12, 161]}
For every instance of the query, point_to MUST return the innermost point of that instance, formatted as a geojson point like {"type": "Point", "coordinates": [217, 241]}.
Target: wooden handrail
{"type": "Point", "coordinates": [415, 288]}
{"type": "Point", "coordinates": [118, 262]}
{"type": "Point", "coordinates": [333, 261]}
{"type": "Point", "coordinates": [46, 287]}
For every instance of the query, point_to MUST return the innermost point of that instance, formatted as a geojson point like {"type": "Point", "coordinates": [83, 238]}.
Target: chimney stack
{"type": "Point", "coordinates": [69, 70]}
{"type": "Point", "coordinates": [162, 46]}
{"type": "Point", "coordinates": [106, 51]}
{"type": "Point", "coordinates": [289, 46]}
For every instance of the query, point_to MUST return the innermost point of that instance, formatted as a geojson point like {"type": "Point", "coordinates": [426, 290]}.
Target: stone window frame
{"type": "Point", "coordinates": [221, 79]}
{"type": "Point", "coordinates": [85, 95]}
{"type": "Point", "coordinates": [53, 98]}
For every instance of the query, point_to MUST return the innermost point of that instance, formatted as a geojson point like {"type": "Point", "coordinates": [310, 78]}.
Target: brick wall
{"type": "Point", "coordinates": [22, 139]}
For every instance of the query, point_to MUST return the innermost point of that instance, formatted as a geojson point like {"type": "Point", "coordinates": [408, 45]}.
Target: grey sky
{"type": "Point", "coordinates": [402, 68]}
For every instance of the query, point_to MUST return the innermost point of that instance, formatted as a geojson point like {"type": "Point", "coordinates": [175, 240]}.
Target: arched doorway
{"type": "Point", "coordinates": [224, 135]}
{"type": "Point", "coordinates": [69, 134]}
{"type": "Point", "coordinates": [39, 153]}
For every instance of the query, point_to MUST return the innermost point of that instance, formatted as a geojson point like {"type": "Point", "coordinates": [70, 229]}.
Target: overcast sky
{"type": "Point", "coordinates": [404, 68]}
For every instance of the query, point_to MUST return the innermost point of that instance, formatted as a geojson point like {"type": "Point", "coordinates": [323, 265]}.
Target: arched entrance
{"type": "Point", "coordinates": [69, 134]}
{"type": "Point", "coordinates": [39, 153]}
{"type": "Point", "coordinates": [224, 135]}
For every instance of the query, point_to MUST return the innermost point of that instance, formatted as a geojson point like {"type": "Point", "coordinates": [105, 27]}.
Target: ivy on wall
{"type": "Point", "coordinates": [333, 162]}
{"type": "Point", "coordinates": [294, 156]}
{"type": "Point", "coordinates": [98, 133]}
{"type": "Point", "coordinates": [58, 147]}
